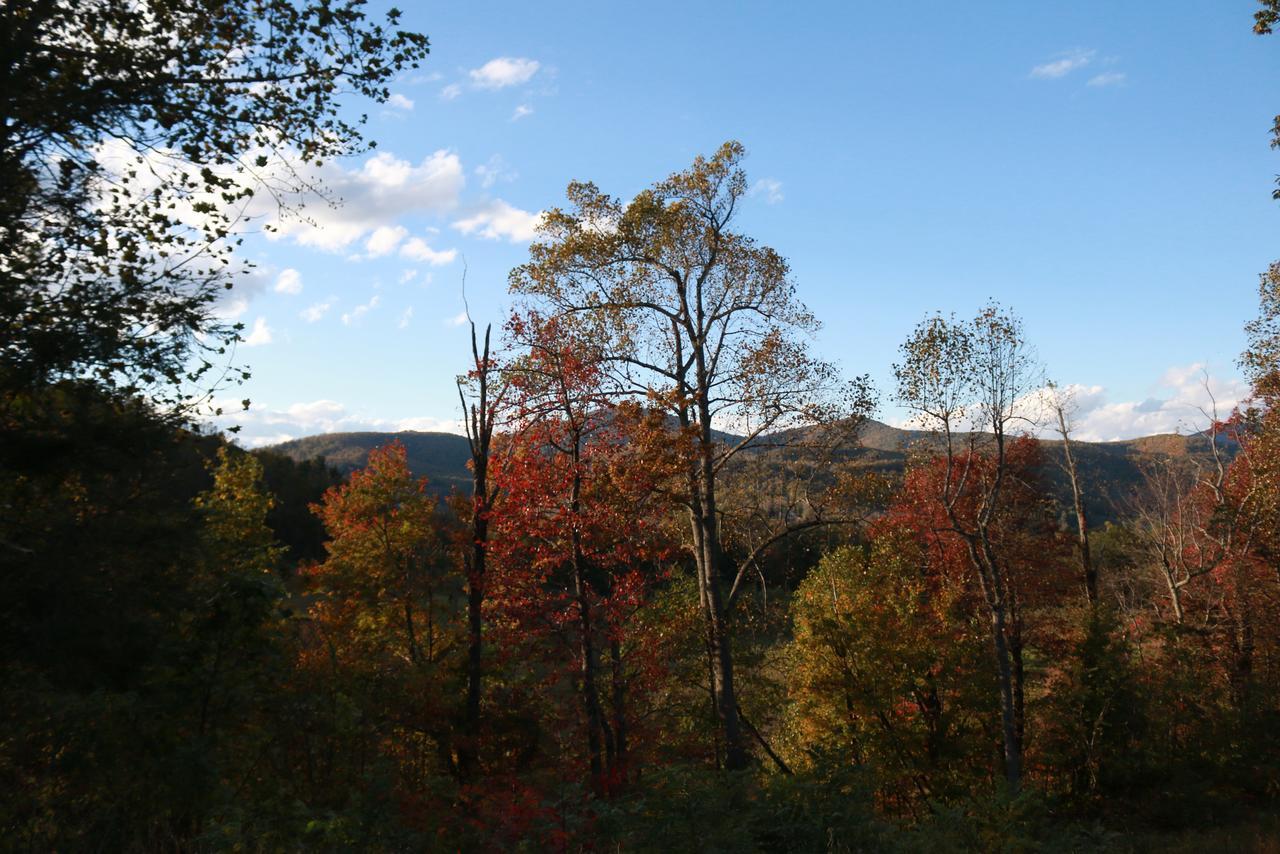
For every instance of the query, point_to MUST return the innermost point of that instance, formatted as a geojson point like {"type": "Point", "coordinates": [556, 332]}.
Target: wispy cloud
{"type": "Point", "coordinates": [313, 313]}
{"type": "Point", "coordinates": [453, 90]}
{"type": "Point", "coordinates": [458, 319]}
{"type": "Point", "coordinates": [521, 111]}
{"type": "Point", "coordinates": [497, 220]}
{"type": "Point", "coordinates": [493, 171]}
{"type": "Point", "coordinates": [504, 71]}
{"type": "Point", "coordinates": [374, 196]}
{"type": "Point", "coordinates": [405, 317]}
{"type": "Point", "coordinates": [360, 311]}
{"type": "Point", "coordinates": [1064, 64]}
{"type": "Point", "coordinates": [1107, 78]}
{"type": "Point", "coordinates": [407, 276]}
{"type": "Point", "coordinates": [1184, 400]}
{"type": "Point", "coordinates": [770, 188]}
{"type": "Point", "coordinates": [233, 303]}
{"type": "Point", "coordinates": [419, 79]}
{"type": "Point", "coordinates": [289, 282]}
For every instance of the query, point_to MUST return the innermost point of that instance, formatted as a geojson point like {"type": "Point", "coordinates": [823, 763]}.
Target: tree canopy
{"type": "Point", "coordinates": [131, 138]}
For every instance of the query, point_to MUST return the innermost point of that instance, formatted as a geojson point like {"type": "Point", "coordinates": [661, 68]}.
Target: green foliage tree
{"type": "Point", "coordinates": [140, 638]}
{"type": "Point", "coordinates": [131, 137]}
{"type": "Point", "coordinates": [888, 671]}
{"type": "Point", "coordinates": [1095, 716]}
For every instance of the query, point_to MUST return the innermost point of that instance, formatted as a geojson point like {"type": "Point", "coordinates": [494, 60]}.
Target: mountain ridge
{"type": "Point", "coordinates": [1112, 471]}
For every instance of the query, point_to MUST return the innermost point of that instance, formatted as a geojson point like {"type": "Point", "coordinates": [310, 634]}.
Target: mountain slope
{"type": "Point", "coordinates": [1111, 471]}
{"type": "Point", "coordinates": [440, 457]}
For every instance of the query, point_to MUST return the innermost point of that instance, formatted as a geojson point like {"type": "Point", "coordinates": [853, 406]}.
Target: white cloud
{"type": "Point", "coordinates": [312, 313]}
{"type": "Point", "coordinates": [374, 196]}
{"type": "Point", "coordinates": [498, 220]}
{"type": "Point", "coordinates": [1064, 65]}
{"type": "Point", "coordinates": [360, 311]}
{"type": "Point", "coordinates": [521, 111]}
{"type": "Point", "coordinates": [448, 93]}
{"type": "Point", "coordinates": [458, 319]}
{"type": "Point", "coordinates": [259, 335]}
{"type": "Point", "coordinates": [400, 102]}
{"type": "Point", "coordinates": [418, 250]}
{"type": "Point", "coordinates": [493, 170]}
{"type": "Point", "coordinates": [264, 425]}
{"type": "Point", "coordinates": [385, 238]}
{"type": "Point", "coordinates": [328, 207]}
{"type": "Point", "coordinates": [504, 71]}
{"type": "Point", "coordinates": [770, 188]}
{"type": "Point", "coordinates": [407, 276]}
{"type": "Point", "coordinates": [1186, 403]}
{"type": "Point", "coordinates": [289, 282]}
{"type": "Point", "coordinates": [405, 317]}
{"type": "Point", "coordinates": [1107, 78]}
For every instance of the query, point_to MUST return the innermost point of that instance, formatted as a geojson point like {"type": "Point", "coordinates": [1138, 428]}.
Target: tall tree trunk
{"type": "Point", "coordinates": [479, 418]}
{"type": "Point", "coordinates": [1175, 591]}
{"type": "Point", "coordinates": [996, 594]}
{"type": "Point", "coordinates": [1019, 681]}
{"type": "Point", "coordinates": [1242, 665]}
{"type": "Point", "coordinates": [1088, 570]}
{"type": "Point", "coordinates": [1012, 743]}
{"type": "Point", "coordinates": [707, 532]}
{"type": "Point", "coordinates": [469, 747]}
{"type": "Point", "coordinates": [586, 649]}
{"type": "Point", "coordinates": [619, 707]}
{"type": "Point", "coordinates": [590, 693]}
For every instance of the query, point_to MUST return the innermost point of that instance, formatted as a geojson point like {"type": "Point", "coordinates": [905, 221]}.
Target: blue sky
{"type": "Point", "coordinates": [1100, 167]}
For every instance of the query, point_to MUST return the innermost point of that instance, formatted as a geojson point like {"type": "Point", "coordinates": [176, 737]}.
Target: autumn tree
{"type": "Point", "coordinates": [384, 612]}
{"type": "Point", "coordinates": [700, 322]}
{"type": "Point", "coordinates": [580, 534]}
{"type": "Point", "coordinates": [887, 672]}
{"type": "Point", "coordinates": [965, 381]}
{"type": "Point", "coordinates": [1209, 530]}
{"type": "Point", "coordinates": [1165, 522]}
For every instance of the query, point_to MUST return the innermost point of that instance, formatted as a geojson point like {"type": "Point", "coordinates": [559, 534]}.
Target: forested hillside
{"type": "Point", "coordinates": [673, 589]}
{"type": "Point", "coordinates": [1113, 471]}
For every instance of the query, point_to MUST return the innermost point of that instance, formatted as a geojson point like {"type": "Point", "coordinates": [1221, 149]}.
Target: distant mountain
{"type": "Point", "coordinates": [1111, 471]}
{"type": "Point", "coordinates": [440, 457]}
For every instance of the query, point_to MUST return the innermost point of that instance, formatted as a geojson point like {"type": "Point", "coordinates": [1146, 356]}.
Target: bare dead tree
{"type": "Point", "coordinates": [1061, 406]}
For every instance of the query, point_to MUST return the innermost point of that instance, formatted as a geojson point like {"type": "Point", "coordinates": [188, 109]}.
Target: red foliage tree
{"type": "Point", "coordinates": [1033, 554]}
{"type": "Point", "coordinates": [579, 537]}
